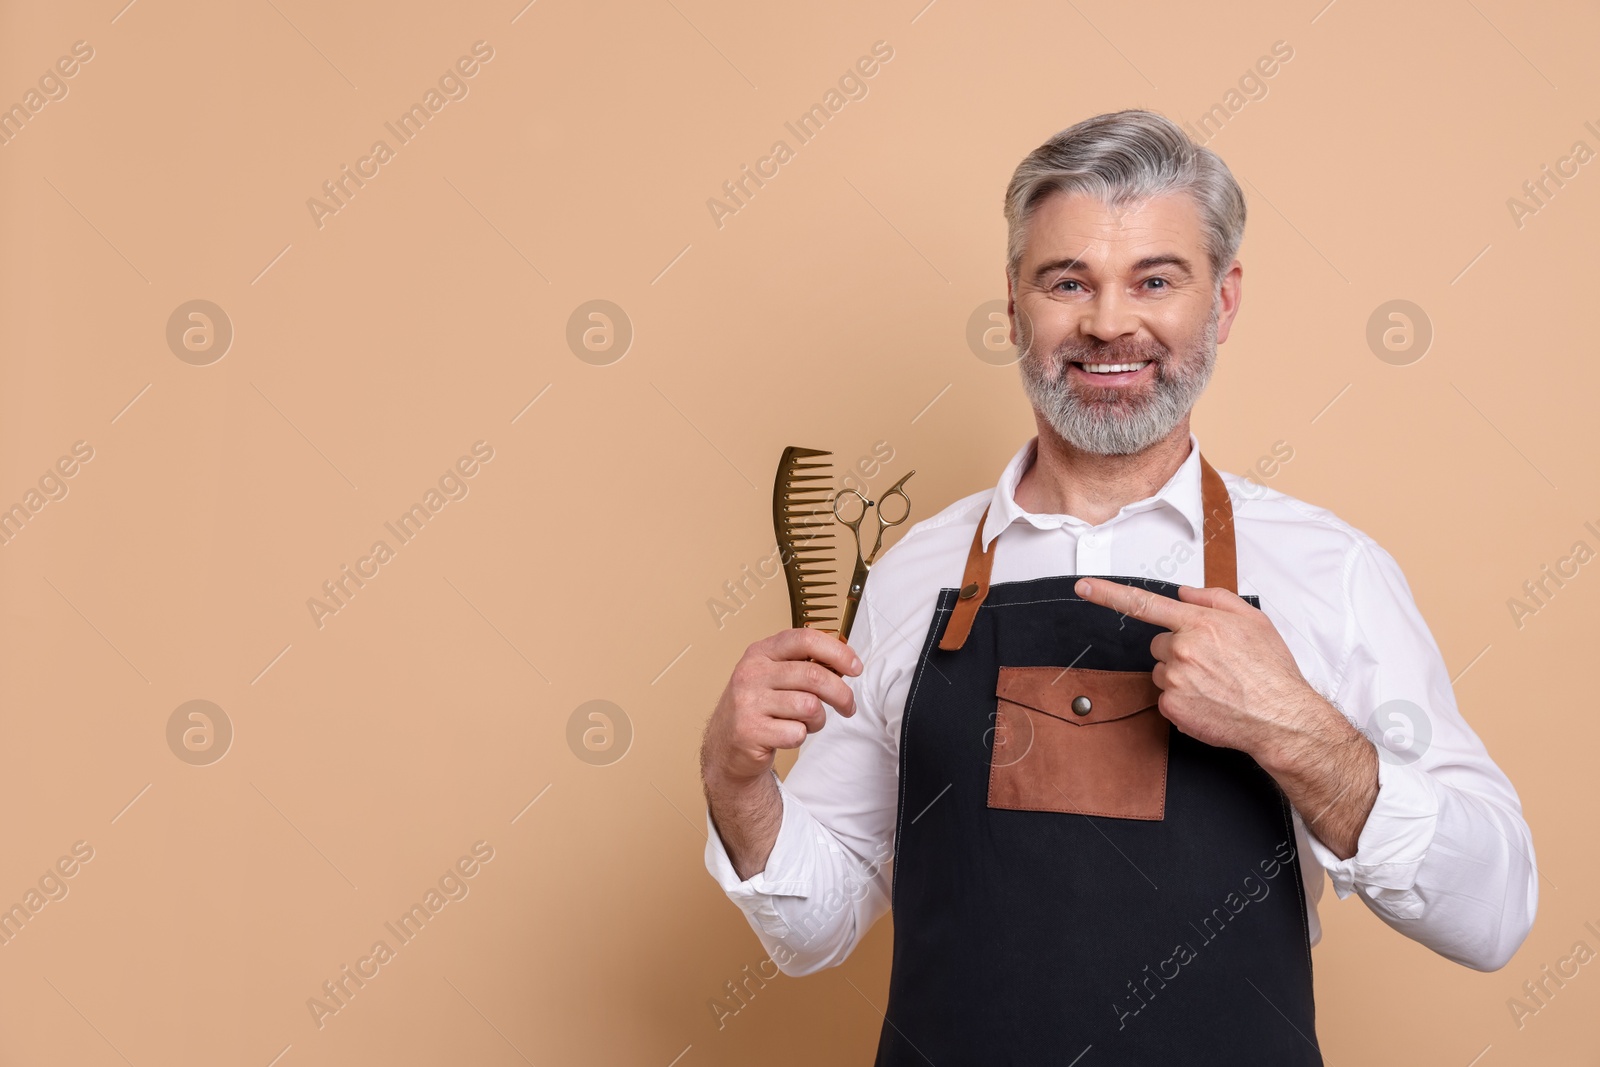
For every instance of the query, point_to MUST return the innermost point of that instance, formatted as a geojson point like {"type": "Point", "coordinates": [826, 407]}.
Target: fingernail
{"type": "Point", "coordinates": [855, 663]}
{"type": "Point", "coordinates": [1082, 589]}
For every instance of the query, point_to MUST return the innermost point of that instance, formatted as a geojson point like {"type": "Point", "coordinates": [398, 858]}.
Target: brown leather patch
{"type": "Point", "coordinates": [1108, 757]}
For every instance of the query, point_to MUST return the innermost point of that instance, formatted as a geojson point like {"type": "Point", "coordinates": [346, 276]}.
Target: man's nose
{"type": "Point", "coordinates": [1109, 316]}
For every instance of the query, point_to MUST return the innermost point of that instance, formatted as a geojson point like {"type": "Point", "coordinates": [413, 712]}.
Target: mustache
{"type": "Point", "coordinates": [1133, 352]}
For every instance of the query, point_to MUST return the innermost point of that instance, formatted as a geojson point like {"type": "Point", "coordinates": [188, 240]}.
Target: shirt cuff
{"type": "Point", "coordinates": [1393, 842]}
{"type": "Point", "coordinates": [786, 874]}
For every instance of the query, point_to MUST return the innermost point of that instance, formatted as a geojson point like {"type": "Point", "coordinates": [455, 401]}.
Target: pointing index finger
{"type": "Point", "coordinates": [1134, 602]}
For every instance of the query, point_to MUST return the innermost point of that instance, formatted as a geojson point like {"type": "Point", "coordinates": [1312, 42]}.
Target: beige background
{"type": "Point", "coordinates": [832, 310]}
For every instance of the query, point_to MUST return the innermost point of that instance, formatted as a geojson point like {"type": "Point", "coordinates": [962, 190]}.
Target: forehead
{"type": "Point", "coordinates": [1081, 226]}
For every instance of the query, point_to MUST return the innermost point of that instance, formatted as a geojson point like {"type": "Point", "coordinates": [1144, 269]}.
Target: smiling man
{"type": "Point", "coordinates": [1102, 805]}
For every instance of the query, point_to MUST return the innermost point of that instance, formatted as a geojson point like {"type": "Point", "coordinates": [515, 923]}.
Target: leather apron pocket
{"type": "Point", "coordinates": [1079, 741]}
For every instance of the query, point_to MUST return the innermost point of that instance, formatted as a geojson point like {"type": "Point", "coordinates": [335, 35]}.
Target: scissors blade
{"type": "Point", "coordinates": [852, 597]}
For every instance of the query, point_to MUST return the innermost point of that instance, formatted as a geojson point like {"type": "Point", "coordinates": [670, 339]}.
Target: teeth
{"type": "Point", "coordinates": [1112, 368]}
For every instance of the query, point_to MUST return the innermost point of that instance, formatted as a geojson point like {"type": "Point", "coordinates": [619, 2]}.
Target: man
{"type": "Point", "coordinates": [1110, 802]}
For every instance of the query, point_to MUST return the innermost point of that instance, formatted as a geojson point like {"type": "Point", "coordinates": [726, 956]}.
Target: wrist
{"type": "Point", "coordinates": [747, 814]}
{"type": "Point", "coordinates": [723, 783]}
{"type": "Point", "coordinates": [1313, 733]}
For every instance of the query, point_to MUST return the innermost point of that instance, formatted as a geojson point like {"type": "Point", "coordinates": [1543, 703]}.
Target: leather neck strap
{"type": "Point", "coordinates": [1221, 560]}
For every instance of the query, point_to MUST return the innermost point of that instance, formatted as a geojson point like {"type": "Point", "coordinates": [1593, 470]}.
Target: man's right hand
{"type": "Point", "coordinates": [774, 698]}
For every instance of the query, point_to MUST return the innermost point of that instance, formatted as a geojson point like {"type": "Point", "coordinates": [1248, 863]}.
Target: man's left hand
{"type": "Point", "coordinates": [1228, 679]}
{"type": "Point", "coordinates": [1226, 676]}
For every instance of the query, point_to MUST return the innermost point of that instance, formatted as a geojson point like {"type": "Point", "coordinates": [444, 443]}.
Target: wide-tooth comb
{"type": "Point", "coordinates": [802, 517]}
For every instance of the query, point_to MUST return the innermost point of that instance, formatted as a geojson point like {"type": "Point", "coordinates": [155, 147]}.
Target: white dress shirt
{"type": "Point", "coordinates": [1445, 856]}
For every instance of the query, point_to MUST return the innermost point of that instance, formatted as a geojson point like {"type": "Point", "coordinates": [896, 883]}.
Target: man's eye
{"type": "Point", "coordinates": [1163, 281]}
{"type": "Point", "coordinates": [1066, 281]}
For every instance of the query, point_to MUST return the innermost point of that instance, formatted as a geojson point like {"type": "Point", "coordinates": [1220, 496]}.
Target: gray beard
{"type": "Point", "coordinates": [1097, 420]}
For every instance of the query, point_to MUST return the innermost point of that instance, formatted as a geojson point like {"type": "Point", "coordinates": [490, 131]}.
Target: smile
{"type": "Point", "coordinates": [1113, 368]}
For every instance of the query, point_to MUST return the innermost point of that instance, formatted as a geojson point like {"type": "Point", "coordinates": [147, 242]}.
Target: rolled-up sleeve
{"type": "Point", "coordinates": [814, 900]}
{"type": "Point", "coordinates": [1445, 856]}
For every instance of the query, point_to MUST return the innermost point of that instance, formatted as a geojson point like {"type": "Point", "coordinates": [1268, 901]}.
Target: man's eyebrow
{"type": "Point", "coordinates": [1070, 263]}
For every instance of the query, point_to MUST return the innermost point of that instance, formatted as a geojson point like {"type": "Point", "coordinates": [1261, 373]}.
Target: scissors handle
{"type": "Point", "coordinates": [895, 490]}
{"type": "Point", "coordinates": [865, 504]}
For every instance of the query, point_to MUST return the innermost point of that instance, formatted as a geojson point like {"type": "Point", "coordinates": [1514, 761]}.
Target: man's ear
{"type": "Point", "coordinates": [1229, 296]}
{"type": "Point", "coordinates": [1011, 312]}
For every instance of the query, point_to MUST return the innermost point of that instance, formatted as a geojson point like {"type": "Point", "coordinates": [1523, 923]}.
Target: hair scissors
{"type": "Point", "coordinates": [864, 559]}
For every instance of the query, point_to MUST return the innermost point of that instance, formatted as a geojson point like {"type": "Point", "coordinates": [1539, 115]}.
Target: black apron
{"type": "Point", "coordinates": [1074, 877]}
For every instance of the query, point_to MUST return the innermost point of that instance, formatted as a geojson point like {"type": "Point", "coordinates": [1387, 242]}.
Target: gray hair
{"type": "Point", "coordinates": [1125, 156]}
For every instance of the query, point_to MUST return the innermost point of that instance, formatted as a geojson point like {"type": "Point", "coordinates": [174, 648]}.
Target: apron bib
{"type": "Point", "coordinates": [1072, 873]}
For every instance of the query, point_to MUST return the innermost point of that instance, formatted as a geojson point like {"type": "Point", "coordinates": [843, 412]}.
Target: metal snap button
{"type": "Point", "coordinates": [1081, 706]}
{"type": "Point", "coordinates": [969, 590]}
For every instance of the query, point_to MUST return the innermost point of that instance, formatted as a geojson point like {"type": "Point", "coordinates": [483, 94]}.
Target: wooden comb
{"type": "Point", "coordinates": [802, 518]}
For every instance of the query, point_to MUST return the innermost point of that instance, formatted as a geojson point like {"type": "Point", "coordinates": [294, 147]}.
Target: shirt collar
{"type": "Point", "coordinates": [1181, 493]}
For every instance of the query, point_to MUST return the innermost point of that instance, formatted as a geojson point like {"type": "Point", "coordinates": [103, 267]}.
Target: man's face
{"type": "Point", "coordinates": [1114, 315]}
